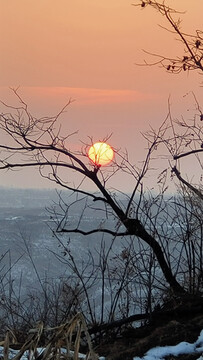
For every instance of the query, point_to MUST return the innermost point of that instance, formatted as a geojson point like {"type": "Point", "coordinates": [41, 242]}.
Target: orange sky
{"type": "Point", "coordinates": [87, 50]}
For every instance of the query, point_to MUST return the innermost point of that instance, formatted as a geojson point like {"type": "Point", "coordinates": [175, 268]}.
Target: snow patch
{"type": "Point", "coordinates": [159, 353]}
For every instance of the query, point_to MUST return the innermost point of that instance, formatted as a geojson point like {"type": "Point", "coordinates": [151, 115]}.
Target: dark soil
{"type": "Point", "coordinates": [168, 326]}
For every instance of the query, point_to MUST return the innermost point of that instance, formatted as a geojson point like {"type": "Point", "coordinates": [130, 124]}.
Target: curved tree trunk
{"type": "Point", "coordinates": [136, 228]}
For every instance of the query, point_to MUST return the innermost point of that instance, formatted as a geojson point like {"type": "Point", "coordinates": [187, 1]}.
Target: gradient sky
{"type": "Point", "coordinates": [87, 50]}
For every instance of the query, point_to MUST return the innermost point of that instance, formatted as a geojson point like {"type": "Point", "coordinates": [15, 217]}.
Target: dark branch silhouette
{"type": "Point", "coordinates": [195, 151]}
{"type": "Point", "coordinates": [107, 231]}
{"type": "Point", "coordinates": [192, 58]}
{"type": "Point", "coordinates": [40, 143]}
{"type": "Point", "coordinates": [190, 186]}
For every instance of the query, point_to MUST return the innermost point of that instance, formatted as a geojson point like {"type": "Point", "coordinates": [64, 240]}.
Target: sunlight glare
{"type": "Point", "coordinates": [101, 153]}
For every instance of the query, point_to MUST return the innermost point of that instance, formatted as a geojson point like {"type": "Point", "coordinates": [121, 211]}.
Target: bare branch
{"type": "Point", "coordinates": [183, 181]}
{"type": "Point", "coordinates": [107, 231]}
{"type": "Point", "coordinates": [192, 58]}
{"type": "Point", "coordinates": [40, 164]}
{"type": "Point", "coordinates": [195, 151]}
{"type": "Point", "coordinates": [40, 143]}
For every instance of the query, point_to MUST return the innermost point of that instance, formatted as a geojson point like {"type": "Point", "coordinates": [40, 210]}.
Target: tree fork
{"type": "Point", "coordinates": [134, 227]}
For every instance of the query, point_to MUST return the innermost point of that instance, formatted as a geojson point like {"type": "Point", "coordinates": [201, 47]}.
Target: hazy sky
{"type": "Point", "coordinates": [87, 50]}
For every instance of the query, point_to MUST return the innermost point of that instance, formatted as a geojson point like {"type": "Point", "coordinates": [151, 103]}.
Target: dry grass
{"type": "Point", "coordinates": [64, 342]}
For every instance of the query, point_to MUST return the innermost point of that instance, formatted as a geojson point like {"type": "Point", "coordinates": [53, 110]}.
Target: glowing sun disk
{"type": "Point", "coordinates": [101, 153]}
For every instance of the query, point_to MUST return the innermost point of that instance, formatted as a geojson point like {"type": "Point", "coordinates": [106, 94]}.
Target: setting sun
{"type": "Point", "coordinates": [101, 153]}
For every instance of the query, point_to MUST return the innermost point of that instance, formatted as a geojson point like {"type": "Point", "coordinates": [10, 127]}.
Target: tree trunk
{"type": "Point", "coordinates": [136, 228]}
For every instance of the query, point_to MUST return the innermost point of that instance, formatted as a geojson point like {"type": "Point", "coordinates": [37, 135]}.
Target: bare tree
{"type": "Point", "coordinates": [183, 137]}
{"type": "Point", "coordinates": [38, 142]}
{"type": "Point", "coordinates": [183, 141]}
{"type": "Point", "coordinates": [192, 44]}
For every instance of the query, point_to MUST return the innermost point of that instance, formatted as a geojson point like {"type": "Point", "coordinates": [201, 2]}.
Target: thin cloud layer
{"type": "Point", "coordinates": [84, 96]}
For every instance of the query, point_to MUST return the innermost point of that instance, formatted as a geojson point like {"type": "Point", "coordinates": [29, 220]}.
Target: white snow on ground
{"type": "Point", "coordinates": [159, 353]}
{"type": "Point", "coordinates": [26, 355]}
